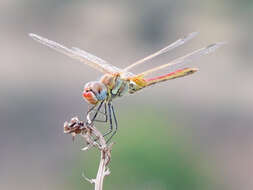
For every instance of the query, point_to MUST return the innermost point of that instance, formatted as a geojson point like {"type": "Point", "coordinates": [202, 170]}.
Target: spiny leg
{"type": "Point", "coordinates": [110, 120]}
{"type": "Point", "coordinates": [116, 124]}
{"type": "Point", "coordinates": [103, 113]}
{"type": "Point", "coordinates": [110, 113]}
{"type": "Point", "coordinates": [91, 109]}
{"type": "Point", "coordinates": [96, 112]}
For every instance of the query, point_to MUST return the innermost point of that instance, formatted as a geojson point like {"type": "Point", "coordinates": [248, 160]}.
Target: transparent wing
{"type": "Point", "coordinates": [187, 58]}
{"type": "Point", "coordinates": [177, 43]}
{"type": "Point", "coordinates": [93, 58]}
{"type": "Point", "coordinates": [78, 54]}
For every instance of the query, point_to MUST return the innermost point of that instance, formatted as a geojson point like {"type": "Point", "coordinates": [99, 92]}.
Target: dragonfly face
{"type": "Point", "coordinates": [94, 92]}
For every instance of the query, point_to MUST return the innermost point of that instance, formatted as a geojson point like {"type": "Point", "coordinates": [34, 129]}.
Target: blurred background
{"type": "Point", "coordinates": [190, 133]}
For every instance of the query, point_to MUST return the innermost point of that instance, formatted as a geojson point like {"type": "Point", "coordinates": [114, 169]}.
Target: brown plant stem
{"type": "Point", "coordinates": [93, 138]}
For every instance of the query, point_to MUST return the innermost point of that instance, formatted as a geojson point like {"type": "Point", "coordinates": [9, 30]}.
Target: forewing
{"type": "Point", "coordinates": [75, 53]}
{"type": "Point", "coordinates": [187, 58]}
{"type": "Point", "coordinates": [93, 58]}
{"type": "Point", "coordinates": [177, 43]}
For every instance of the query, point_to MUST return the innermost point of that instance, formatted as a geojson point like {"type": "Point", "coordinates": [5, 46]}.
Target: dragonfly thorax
{"type": "Point", "coordinates": [116, 86]}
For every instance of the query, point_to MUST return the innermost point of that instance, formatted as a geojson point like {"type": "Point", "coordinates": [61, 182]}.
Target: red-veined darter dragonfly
{"type": "Point", "coordinates": [116, 82]}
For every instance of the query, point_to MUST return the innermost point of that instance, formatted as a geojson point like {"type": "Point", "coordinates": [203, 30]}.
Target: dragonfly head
{"type": "Point", "coordinates": [94, 92]}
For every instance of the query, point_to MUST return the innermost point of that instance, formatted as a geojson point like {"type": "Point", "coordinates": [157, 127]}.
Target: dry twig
{"type": "Point", "coordinates": [93, 138]}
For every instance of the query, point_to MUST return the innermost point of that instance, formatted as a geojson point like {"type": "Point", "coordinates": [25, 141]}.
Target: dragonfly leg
{"type": "Point", "coordinates": [115, 121]}
{"type": "Point", "coordinates": [110, 114]}
{"type": "Point", "coordinates": [103, 113]}
{"type": "Point", "coordinates": [90, 109]}
{"type": "Point", "coordinates": [96, 112]}
{"type": "Point", "coordinates": [110, 119]}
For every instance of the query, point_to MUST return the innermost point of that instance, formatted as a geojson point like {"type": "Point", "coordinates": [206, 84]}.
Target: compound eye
{"type": "Point", "coordinates": [88, 86]}
{"type": "Point", "coordinates": [90, 96]}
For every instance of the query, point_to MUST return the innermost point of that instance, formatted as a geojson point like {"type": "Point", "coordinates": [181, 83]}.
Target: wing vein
{"type": "Point", "coordinates": [187, 58]}
{"type": "Point", "coordinates": [175, 44]}
{"type": "Point", "coordinates": [76, 53]}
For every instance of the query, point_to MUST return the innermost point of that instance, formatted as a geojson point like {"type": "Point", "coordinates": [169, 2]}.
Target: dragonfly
{"type": "Point", "coordinates": [116, 82]}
